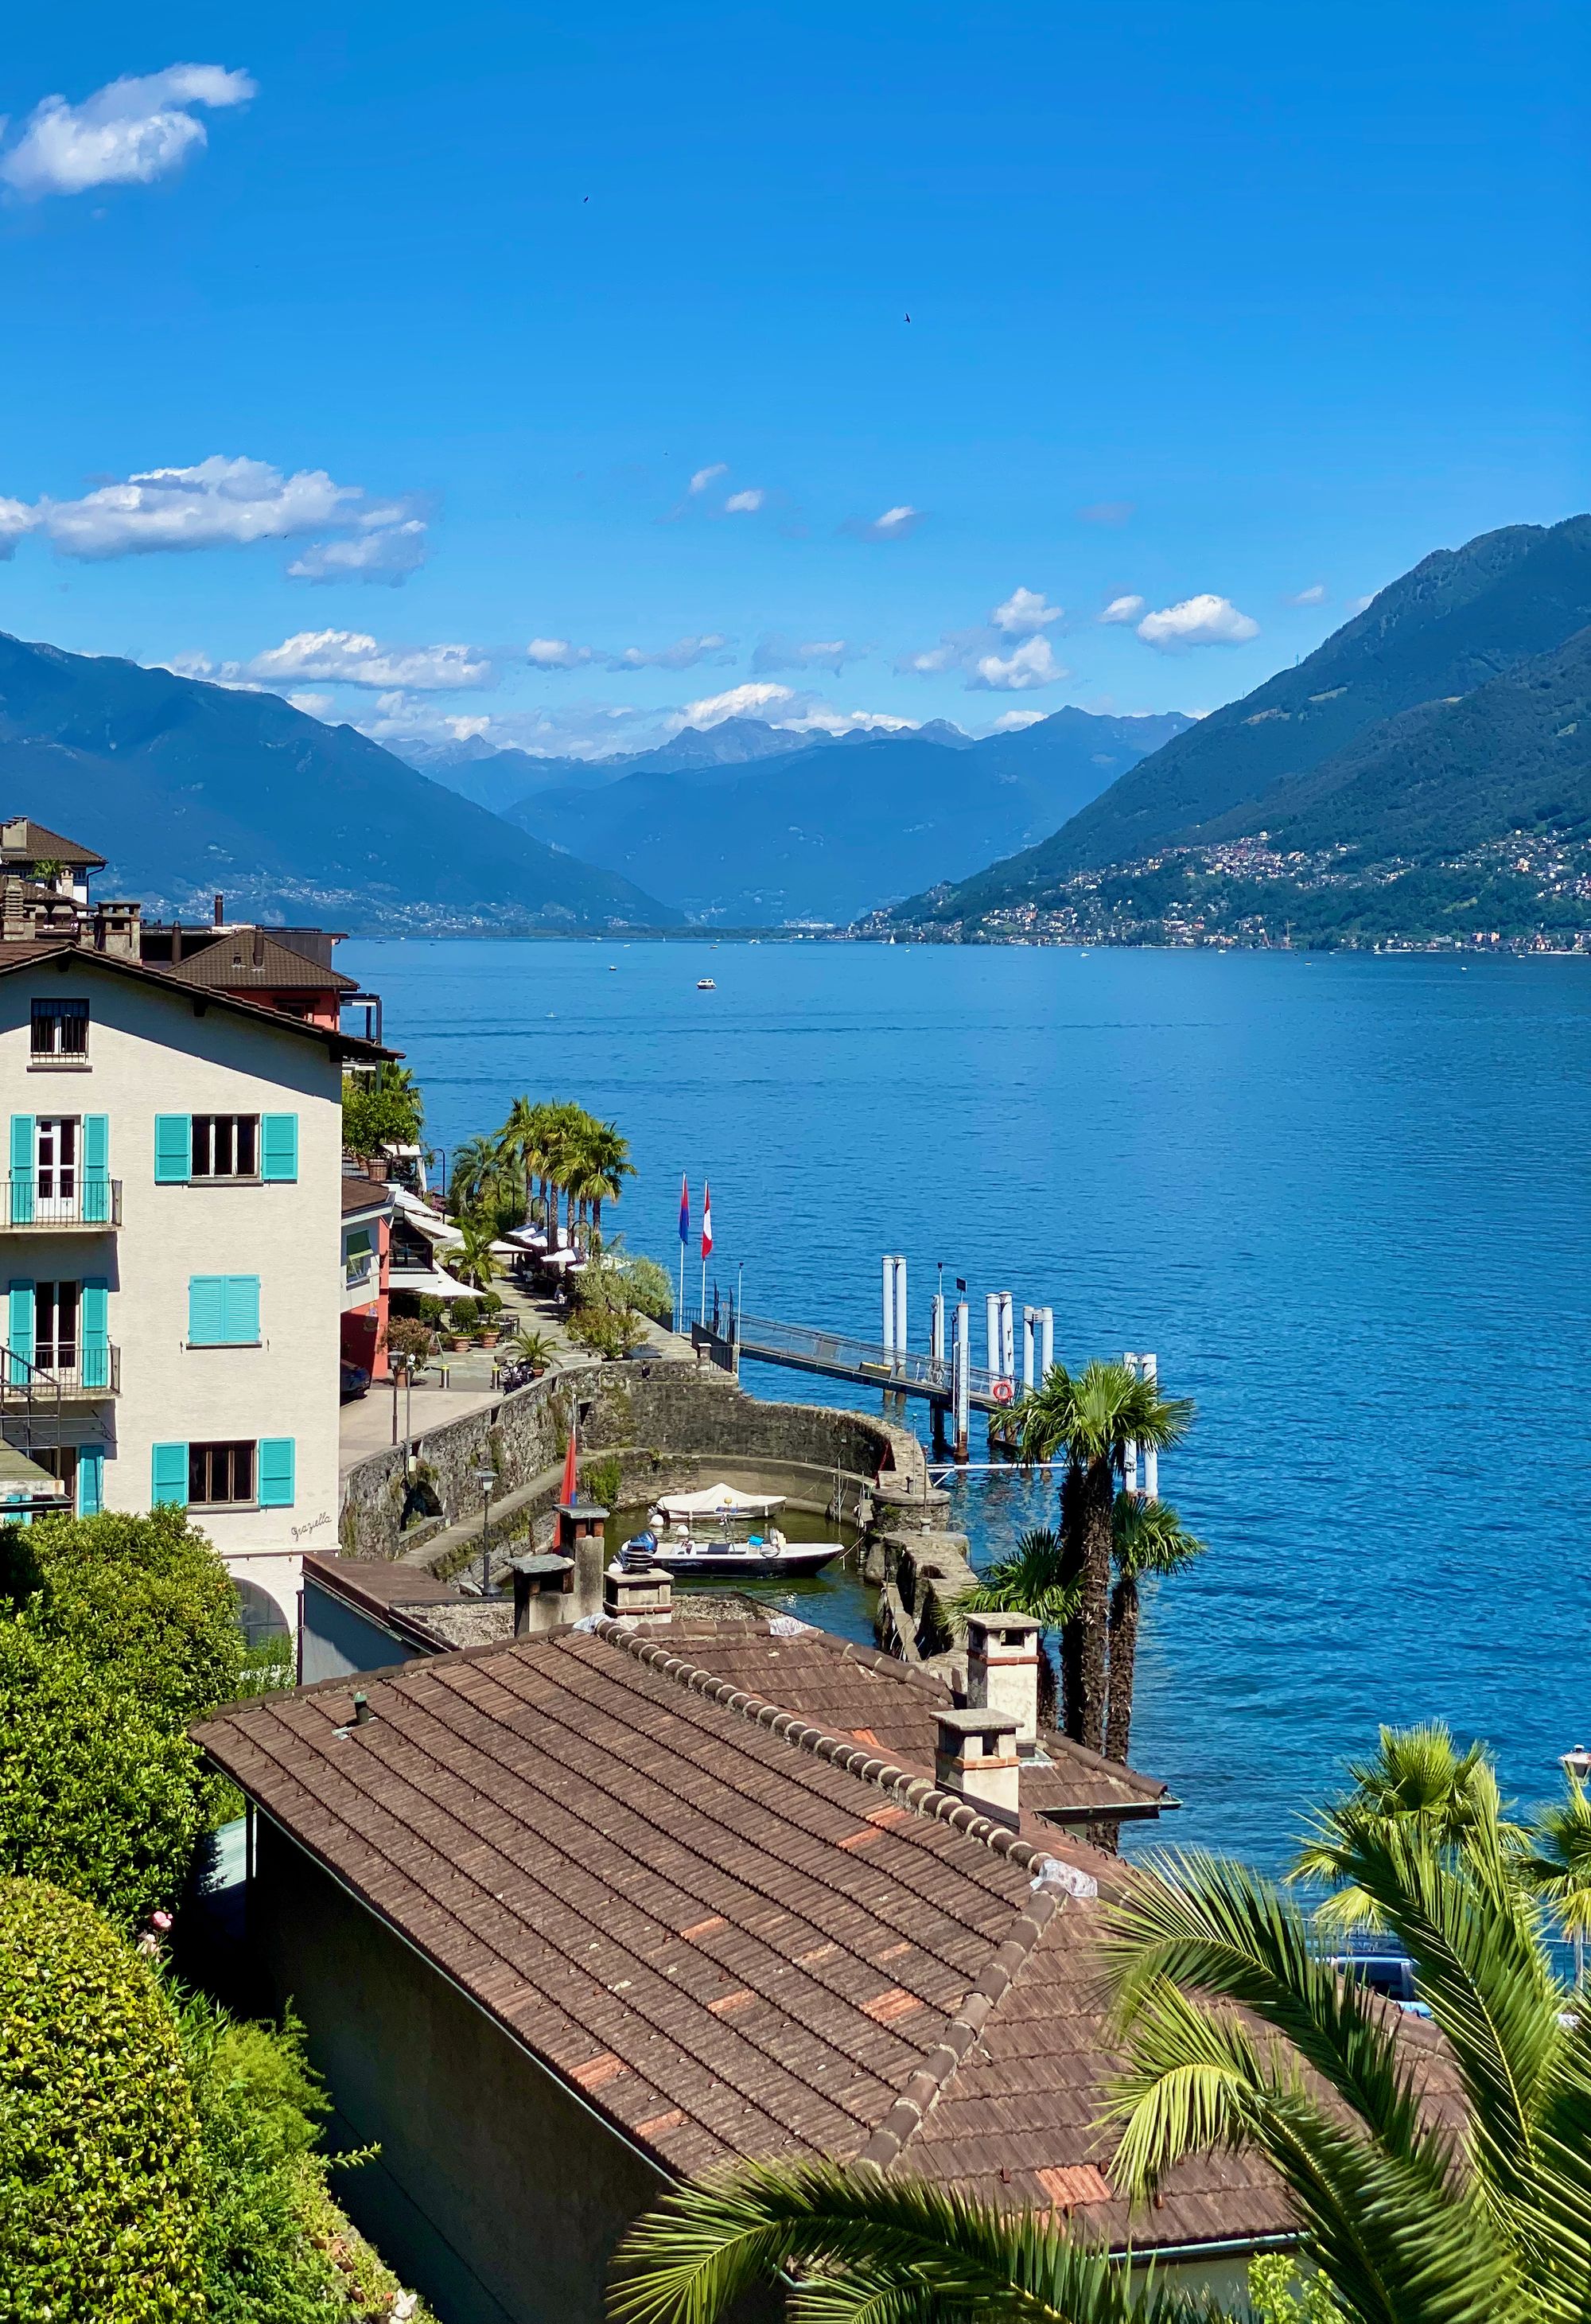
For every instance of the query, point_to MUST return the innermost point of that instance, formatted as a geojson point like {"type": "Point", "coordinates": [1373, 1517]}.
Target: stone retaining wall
{"type": "Point", "coordinates": [669, 1425]}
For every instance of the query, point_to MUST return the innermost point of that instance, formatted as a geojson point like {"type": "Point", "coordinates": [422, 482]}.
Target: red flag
{"type": "Point", "coordinates": [569, 1491]}
{"type": "Point", "coordinates": [707, 1219]}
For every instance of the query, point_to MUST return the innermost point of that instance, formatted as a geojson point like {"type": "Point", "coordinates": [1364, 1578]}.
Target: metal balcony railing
{"type": "Point", "coordinates": [69, 1198]}
{"type": "Point", "coordinates": [66, 1374]}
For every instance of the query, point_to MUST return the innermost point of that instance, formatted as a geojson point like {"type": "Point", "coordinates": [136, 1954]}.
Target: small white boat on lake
{"type": "Point", "coordinates": [722, 1531]}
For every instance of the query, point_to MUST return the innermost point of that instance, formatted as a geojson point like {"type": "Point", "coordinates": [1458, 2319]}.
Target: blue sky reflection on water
{"type": "Point", "coordinates": [1344, 1199]}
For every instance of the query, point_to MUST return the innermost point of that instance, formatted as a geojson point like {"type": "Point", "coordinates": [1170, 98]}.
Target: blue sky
{"type": "Point", "coordinates": [1212, 307]}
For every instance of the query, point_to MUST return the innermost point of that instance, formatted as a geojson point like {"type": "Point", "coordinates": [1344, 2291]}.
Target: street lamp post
{"type": "Point", "coordinates": [486, 1477]}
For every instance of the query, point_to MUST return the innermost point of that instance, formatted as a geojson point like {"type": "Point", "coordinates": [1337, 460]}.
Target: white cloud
{"type": "Point", "coordinates": [1314, 595]}
{"type": "Point", "coordinates": [1123, 609]}
{"type": "Point", "coordinates": [1031, 664]}
{"type": "Point", "coordinates": [1358, 604]}
{"type": "Point", "coordinates": [744, 504]}
{"type": "Point", "coordinates": [351, 658]}
{"type": "Point", "coordinates": [949, 653]}
{"type": "Point", "coordinates": [683, 654]}
{"type": "Point", "coordinates": [822, 719]}
{"type": "Point", "coordinates": [1204, 620]}
{"type": "Point", "coordinates": [739, 702]}
{"type": "Point", "coordinates": [315, 706]}
{"type": "Point", "coordinates": [1012, 721]}
{"type": "Point", "coordinates": [776, 652]}
{"type": "Point", "coordinates": [557, 653]}
{"type": "Point", "coordinates": [16, 518]}
{"type": "Point", "coordinates": [1025, 612]}
{"type": "Point", "coordinates": [221, 502]}
{"type": "Point", "coordinates": [127, 134]}
{"type": "Point", "coordinates": [386, 552]}
{"type": "Point", "coordinates": [705, 476]}
{"type": "Point", "coordinates": [895, 523]}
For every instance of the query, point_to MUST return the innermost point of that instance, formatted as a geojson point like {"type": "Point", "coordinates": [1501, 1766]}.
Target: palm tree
{"type": "Point", "coordinates": [477, 1174]}
{"type": "Point", "coordinates": [1555, 1862]}
{"type": "Point", "coordinates": [607, 1165]}
{"type": "Point", "coordinates": [1147, 1537]}
{"type": "Point", "coordinates": [1034, 1583]}
{"type": "Point", "coordinates": [1417, 1780]}
{"type": "Point", "coordinates": [1243, 2036]}
{"type": "Point", "coordinates": [1092, 1416]}
{"type": "Point", "coordinates": [470, 1261]}
{"type": "Point", "coordinates": [865, 2249]}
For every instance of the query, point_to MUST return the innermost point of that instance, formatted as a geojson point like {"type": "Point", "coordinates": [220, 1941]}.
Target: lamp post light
{"type": "Point", "coordinates": [486, 1477]}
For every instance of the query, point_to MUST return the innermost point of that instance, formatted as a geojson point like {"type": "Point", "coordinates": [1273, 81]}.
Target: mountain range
{"type": "Point", "coordinates": [189, 788]}
{"type": "Point", "coordinates": [831, 825]}
{"type": "Point", "coordinates": [1446, 716]}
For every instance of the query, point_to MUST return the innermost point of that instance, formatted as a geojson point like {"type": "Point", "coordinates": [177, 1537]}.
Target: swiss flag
{"type": "Point", "coordinates": [707, 1219]}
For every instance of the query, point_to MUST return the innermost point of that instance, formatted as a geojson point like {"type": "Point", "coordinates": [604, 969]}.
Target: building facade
{"type": "Point", "coordinates": [171, 1227]}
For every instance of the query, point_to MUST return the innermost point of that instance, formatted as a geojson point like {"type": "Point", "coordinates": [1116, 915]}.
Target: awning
{"type": "Point", "coordinates": [24, 1485]}
{"type": "Point", "coordinates": [430, 1280]}
{"type": "Point", "coordinates": [360, 1243]}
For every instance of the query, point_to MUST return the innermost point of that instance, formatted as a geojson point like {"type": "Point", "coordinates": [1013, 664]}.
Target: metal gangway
{"type": "Point", "coordinates": [866, 1363]}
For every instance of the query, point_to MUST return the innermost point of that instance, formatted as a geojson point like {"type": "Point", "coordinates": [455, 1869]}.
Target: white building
{"type": "Point", "coordinates": [169, 1240]}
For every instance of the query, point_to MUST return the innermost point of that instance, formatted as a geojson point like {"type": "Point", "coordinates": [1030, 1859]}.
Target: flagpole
{"type": "Point", "coordinates": [704, 1287]}
{"type": "Point", "coordinates": [679, 1313]}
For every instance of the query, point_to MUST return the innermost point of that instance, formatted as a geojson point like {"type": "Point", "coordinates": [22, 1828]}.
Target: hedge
{"type": "Point", "coordinates": [94, 1793]}
{"type": "Point", "coordinates": [100, 2172]}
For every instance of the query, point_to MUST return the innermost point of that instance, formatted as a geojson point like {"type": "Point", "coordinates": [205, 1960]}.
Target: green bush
{"type": "Point", "coordinates": [145, 1598]}
{"type": "Point", "coordinates": [96, 1793]}
{"type": "Point", "coordinates": [100, 2172]}
{"type": "Point", "coordinates": [463, 1315]}
{"type": "Point", "coordinates": [430, 1309]}
{"type": "Point", "coordinates": [602, 1482]}
{"type": "Point", "coordinates": [648, 1288]}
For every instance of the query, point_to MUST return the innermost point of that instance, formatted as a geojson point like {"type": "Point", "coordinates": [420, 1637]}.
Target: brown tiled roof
{"type": "Point", "coordinates": [229, 964]}
{"type": "Point", "coordinates": [363, 1194]}
{"type": "Point", "coordinates": [734, 1936]}
{"type": "Point", "coordinates": [853, 1690]}
{"type": "Point", "coordinates": [14, 956]}
{"type": "Point", "coordinates": [37, 845]}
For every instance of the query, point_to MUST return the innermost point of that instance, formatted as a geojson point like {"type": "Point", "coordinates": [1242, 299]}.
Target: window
{"type": "Point", "coordinates": [56, 1156]}
{"type": "Point", "coordinates": [56, 1308]}
{"type": "Point", "coordinates": [259, 1617]}
{"type": "Point", "coordinates": [58, 1461]}
{"type": "Point", "coordinates": [60, 1030]}
{"type": "Point", "coordinates": [360, 1262]}
{"type": "Point", "coordinates": [220, 1473]}
{"type": "Point", "coordinates": [225, 1146]}
{"type": "Point", "coordinates": [223, 1311]}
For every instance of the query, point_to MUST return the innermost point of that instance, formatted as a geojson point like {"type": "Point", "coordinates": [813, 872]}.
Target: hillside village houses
{"type": "Point", "coordinates": [184, 1262]}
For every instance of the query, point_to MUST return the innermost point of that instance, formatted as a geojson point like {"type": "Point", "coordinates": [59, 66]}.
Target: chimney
{"type": "Point", "coordinates": [636, 1590]}
{"type": "Point", "coordinates": [1002, 1671]}
{"type": "Point", "coordinates": [220, 910]}
{"type": "Point", "coordinates": [977, 1760]}
{"type": "Point", "coordinates": [118, 929]}
{"type": "Point", "coordinates": [259, 947]}
{"type": "Point", "coordinates": [542, 1581]}
{"type": "Point", "coordinates": [13, 926]}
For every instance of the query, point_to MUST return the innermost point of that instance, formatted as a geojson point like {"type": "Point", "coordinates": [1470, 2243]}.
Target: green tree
{"type": "Point", "coordinates": [1147, 1538]}
{"type": "Point", "coordinates": [471, 1261]}
{"type": "Point", "coordinates": [1417, 1780]}
{"type": "Point", "coordinates": [101, 2177]}
{"type": "Point", "coordinates": [1091, 1417]}
{"type": "Point", "coordinates": [96, 1793]}
{"type": "Point", "coordinates": [380, 1109]}
{"type": "Point", "coordinates": [1240, 2035]}
{"type": "Point", "coordinates": [1555, 1862]}
{"type": "Point", "coordinates": [1034, 1582]}
{"type": "Point", "coordinates": [145, 1599]}
{"type": "Point", "coordinates": [604, 1164]}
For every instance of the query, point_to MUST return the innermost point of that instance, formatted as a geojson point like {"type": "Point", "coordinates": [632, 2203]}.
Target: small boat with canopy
{"type": "Point", "coordinates": [720, 1531]}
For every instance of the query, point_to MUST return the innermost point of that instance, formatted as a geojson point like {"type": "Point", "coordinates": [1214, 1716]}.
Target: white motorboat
{"type": "Point", "coordinates": [706, 984]}
{"type": "Point", "coordinates": [722, 1531]}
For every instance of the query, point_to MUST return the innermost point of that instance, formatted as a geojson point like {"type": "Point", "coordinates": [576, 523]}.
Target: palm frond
{"type": "Point", "coordinates": [1149, 1538]}
{"type": "Point", "coordinates": [1037, 1581]}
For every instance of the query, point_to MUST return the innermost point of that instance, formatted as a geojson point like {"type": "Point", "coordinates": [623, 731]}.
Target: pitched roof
{"type": "Point", "coordinates": [361, 1194]}
{"type": "Point", "coordinates": [252, 958]}
{"type": "Point", "coordinates": [24, 841]}
{"type": "Point", "coordinates": [733, 1935]}
{"type": "Point", "coordinates": [873, 1697]}
{"type": "Point", "coordinates": [28, 954]}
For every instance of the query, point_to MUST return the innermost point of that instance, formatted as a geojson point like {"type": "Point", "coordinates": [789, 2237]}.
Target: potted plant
{"type": "Point", "coordinates": [461, 1323]}
{"type": "Point", "coordinates": [531, 1348]}
{"type": "Point", "coordinates": [489, 1331]}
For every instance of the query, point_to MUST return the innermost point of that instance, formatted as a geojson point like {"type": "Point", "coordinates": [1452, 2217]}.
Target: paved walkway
{"type": "Point", "coordinates": [367, 1424]}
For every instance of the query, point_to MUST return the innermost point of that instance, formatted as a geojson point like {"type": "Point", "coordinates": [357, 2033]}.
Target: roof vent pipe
{"type": "Point", "coordinates": [361, 1713]}
{"type": "Point", "coordinates": [220, 909]}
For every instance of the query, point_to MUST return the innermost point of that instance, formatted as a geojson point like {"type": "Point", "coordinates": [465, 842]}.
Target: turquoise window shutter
{"type": "Point", "coordinates": [223, 1311]}
{"type": "Point", "coordinates": [168, 1474]}
{"type": "Point", "coordinates": [90, 1480]}
{"type": "Point", "coordinates": [173, 1150]}
{"type": "Point", "coordinates": [274, 1470]}
{"type": "Point", "coordinates": [207, 1311]}
{"type": "Point", "coordinates": [20, 1330]}
{"type": "Point", "coordinates": [96, 1169]}
{"type": "Point", "coordinates": [243, 1310]}
{"type": "Point", "coordinates": [94, 1323]}
{"type": "Point", "coordinates": [21, 1169]}
{"type": "Point", "coordinates": [278, 1146]}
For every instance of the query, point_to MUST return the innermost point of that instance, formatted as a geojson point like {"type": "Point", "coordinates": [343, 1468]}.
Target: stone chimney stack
{"type": "Point", "coordinates": [15, 926]}
{"type": "Point", "coordinates": [220, 910]}
{"type": "Point", "coordinates": [118, 929]}
{"type": "Point", "coordinates": [977, 1760]}
{"type": "Point", "coordinates": [1002, 1671]}
{"type": "Point", "coordinates": [636, 1590]}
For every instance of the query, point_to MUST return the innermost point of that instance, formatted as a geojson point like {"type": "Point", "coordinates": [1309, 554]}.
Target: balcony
{"type": "Point", "coordinates": [75, 1375]}
{"type": "Point", "coordinates": [79, 1199]}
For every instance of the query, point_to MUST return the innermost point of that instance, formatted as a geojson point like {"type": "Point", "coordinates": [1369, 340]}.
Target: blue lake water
{"type": "Point", "coordinates": [1347, 1200]}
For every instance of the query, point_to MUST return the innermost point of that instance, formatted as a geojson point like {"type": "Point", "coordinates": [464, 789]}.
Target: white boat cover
{"type": "Point", "coordinates": [719, 1501]}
